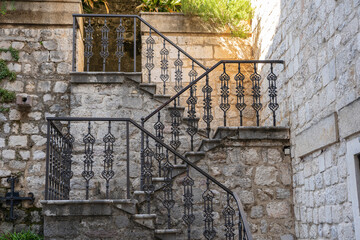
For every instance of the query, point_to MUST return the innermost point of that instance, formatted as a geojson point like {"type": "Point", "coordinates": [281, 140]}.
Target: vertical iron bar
{"type": "Point", "coordinates": [127, 160]}
{"type": "Point", "coordinates": [108, 172]}
{"type": "Point", "coordinates": [159, 150]}
{"type": "Point", "coordinates": [142, 158]}
{"type": "Point", "coordinates": [89, 30]}
{"type": "Point", "coordinates": [134, 44]}
{"type": "Point", "coordinates": [240, 93]}
{"type": "Point", "coordinates": [47, 161]}
{"type": "Point", "coordinates": [224, 105]}
{"type": "Point", "coordinates": [74, 45]}
{"type": "Point", "coordinates": [149, 55]}
{"type": "Point", "coordinates": [104, 53]}
{"type": "Point", "coordinates": [273, 105]}
{"type": "Point", "coordinates": [208, 117]}
{"type": "Point", "coordinates": [120, 43]}
{"type": "Point", "coordinates": [255, 79]}
{"type": "Point", "coordinates": [164, 76]}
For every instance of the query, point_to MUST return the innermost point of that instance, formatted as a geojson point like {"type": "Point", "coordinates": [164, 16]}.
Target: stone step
{"type": "Point", "coordinates": [208, 144]}
{"type": "Point", "coordinates": [158, 179]}
{"type": "Point", "coordinates": [167, 234]}
{"type": "Point", "coordinates": [162, 98]}
{"type": "Point", "coordinates": [104, 77]}
{"type": "Point", "coordinates": [148, 87]}
{"type": "Point", "coordinates": [147, 220]}
{"type": "Point", "coordinates": [195, 156]}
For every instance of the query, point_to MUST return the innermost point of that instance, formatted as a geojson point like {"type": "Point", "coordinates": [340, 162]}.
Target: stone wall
{"type": "Point", "coordinates": [318, 92]}
{"type": "Point", "coordinates": [45, 51]}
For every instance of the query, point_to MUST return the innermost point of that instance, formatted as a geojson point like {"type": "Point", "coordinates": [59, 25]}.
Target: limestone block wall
{"type": "Point", "coordinates": [318, 93]}
{"type": "Point", "coordinates": [42, 33]}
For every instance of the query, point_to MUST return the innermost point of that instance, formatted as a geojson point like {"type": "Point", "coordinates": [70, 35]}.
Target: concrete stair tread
{"type": "Point", "coordinates": [158, 179]}
{"type": "Point", "coordinates": [180, 166]}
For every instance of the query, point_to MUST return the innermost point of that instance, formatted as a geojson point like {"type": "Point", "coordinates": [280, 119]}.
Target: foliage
{"type": "Point", "coordinates": [234, 14]}
{"type": "Point", "coordinates": [6, 97]}
{"type": "Point", "coordinates": [4, 70]}
{"type": "Point", "coordinates": [4, 109]}
{"type": "Point", "coordinates": [28, 235]}
{"type": "Point", "coordinates": [160, 6]}
{"type": "Point", "coordinates": [88, 5]}
{"type": "Point", "coordinates": [3, 8]}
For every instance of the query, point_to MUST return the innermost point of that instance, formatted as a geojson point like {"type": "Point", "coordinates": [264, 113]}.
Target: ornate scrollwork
{"type": "Point", "coordinates": [88, 53]}
{"type": "Point", "coordinates": [208, 196]}
{"type": "Point", "coordinates": [88, 172]}
{"type": "Point", "coordinates": [191, 102]}
{"type": "Point", "coordinates": [120, 43]}
{"type": "Point", "coordinates": [104, 53]}
{"type": "Point", "coordinates": [229, 214]}
{"type": "Point", "coordinates": [108, 172]}
{"type": "Point", "coordinates": [159, 151]}
{"type": "Point", "coordinates": [273, 105]}
{"type": "Point", "coordinates": [178, 73]}
{"type": "Point", "coordinates": [148, 186]}
{"type": "Point", "coordinates": [240, 93]}
{"type": "Point", "coordinates": [257, 105]}
{"type": "Point", "coordinates": [188, 216]}
{"type": "Point", "coordinates": [66, 173]}
{"type": "Point", "coordinates": [207, 117]}
{"type": "Point", "coordinates": [225, 92]}
{"type": "Point", "coordinates": [149, 65]}
{"type": "Point", "coordinates": [168, 201]}
{"type": "Point", "coordinates": [164, 76]}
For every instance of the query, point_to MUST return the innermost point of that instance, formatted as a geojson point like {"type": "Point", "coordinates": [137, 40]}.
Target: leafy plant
{"type": "Point", "coordinates": [6, 97]}
{"type": "Point", "coordinates": [160, 6]}
{"type": "Point", "coordinates": [233, 14]}
{"type": "Point", "coordinates": [90, 4]}
{"type": "Point", "coordinates": [3, 8]}
{"type": "Point", "coordinates": [4, 70]}
{"type": "Point", "coordinates": [28, 235]}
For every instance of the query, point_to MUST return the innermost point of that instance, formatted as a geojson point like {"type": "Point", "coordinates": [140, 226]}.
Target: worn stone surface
{"type": "Point", "coordinates": [348, 123]}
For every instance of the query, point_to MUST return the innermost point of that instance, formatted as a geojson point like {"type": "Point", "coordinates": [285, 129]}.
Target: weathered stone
{"type": "Point", "coordinates": [50, 44]}
{"type": "Point", "coordinates": [25, 155]}
{"type": "Point", "coordinates": [266, 176]}
{"type": "Point", "coordinates": [347, 123]}
{"type": "Point", "coordinates": [39, 155]}
{"type": "Point", "coordinates": [18, 141]}
{"type": "Point", "coordinates": [60, 87]}
{"type": "Point", "coordinates": [2, 142]}
{"type": "Point", "coordinates": [278, 209]}
{"type": "Point", "coordinates": [318, 136]}
{"type": "Point", "coordinates": [8, 154]}
{"type": "Point", "coordinates": [256, 212]}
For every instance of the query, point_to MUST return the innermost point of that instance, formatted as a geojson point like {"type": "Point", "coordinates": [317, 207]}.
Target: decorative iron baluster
{"type": "Point", "coordinates": [240, 93]}
{"type": "Point", "coordinates": [108, 172]}
{"type": "Point", "coordinates": [149, 55]}
{"type": "Point", "coordinates": [175, 131]}
{"type": "Point", "coordinates": [50, 176]}
{"type": "Point", "coordinates": [120, 43]}
{"type": "Point", "coordinates": [188, 216]}
{"type": "Point", "coordinates": [168, 201]}
{"type": "Point", "coordinates": [208, 196]}
{"type": "Point", "coordinates": [208, 117]}
{"type": "Point", "coordinates": [148, 185]}
{"type": "Point", "coordinates": [192, 101]}
{"type": "Point", "coordinates": [67, 174]}
{"type": "Point", "coordinates": [57, 165]}
{"type": "Point", "coordinates": [159, 151]}
{"type": "Point", "coordinates": [224, 105]}
{"type": "Point", "coordinates": [255, 79]}
{"type": "Point", "coordinates": [228, 214]}
{"type": "Point", "coordinates": [88, 173]}
{"type": "Point", "coordinates": [164, 76]}
{"type": "Point", "coordinates": [273, 105]}
{"type": "Point", "coordinates": [178, 75]}
{"type": "Point", "coordinates": [89, 30]}
{"type": "Point", "coordinates": [104, 53]}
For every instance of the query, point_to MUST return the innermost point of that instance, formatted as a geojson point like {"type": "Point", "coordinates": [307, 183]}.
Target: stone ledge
{"type": "Point", "coordinates": [104, 77]}
{"type": "Point", "coordinates": [318, 136]}
{"type": "Point", "coordinates": [349, 120]}
{"type": "Point", "coordinates": [253, 133]}
{"type": "Point", "coordinates": [55, 208]}
{"type": "Point", "coordinates": [47, 12]}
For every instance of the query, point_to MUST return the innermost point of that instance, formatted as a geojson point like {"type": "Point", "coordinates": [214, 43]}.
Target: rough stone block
{"type": "Point", "coordinates": [317, 136]}
{"type": "Point", "coordinates": [18, 141]}
{"type": "Point", "coordinates": [349, 123]}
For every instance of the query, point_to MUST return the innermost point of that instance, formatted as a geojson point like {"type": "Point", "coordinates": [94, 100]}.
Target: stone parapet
{"type": "Point", "coordinates": [43, 13]}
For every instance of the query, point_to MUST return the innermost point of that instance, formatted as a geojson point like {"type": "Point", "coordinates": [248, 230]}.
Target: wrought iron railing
{"type": "Point", "coordinates": [231, 94]}
{"type": "Point", "coordinates": [118, 33]}
{"type": "Point", "coordinates": [84, 154]}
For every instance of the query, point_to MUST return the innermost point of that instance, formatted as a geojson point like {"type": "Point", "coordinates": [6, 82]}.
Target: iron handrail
{"type": "Point", "coordinates": [150, 26]}
{"type": "Point", "coordinates": [202, 76]}
{"type": "Point", "coordinates": [142, 129]}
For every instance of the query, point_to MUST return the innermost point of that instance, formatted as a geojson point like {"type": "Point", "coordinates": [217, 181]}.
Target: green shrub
{"type": "Point", "coordinates": [6, 97]}
{"type": "Point", "coordinates": [234, 14]}
{"type": "Point", "coordinates": [160, 6]}
{"type": "Point", "coordinates": [28, 235]}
